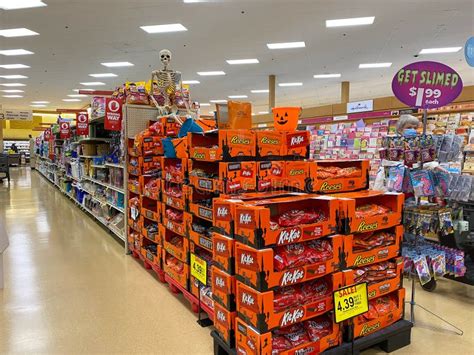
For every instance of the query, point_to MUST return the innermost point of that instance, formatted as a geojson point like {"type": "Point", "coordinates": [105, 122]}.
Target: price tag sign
{"type": "Point", "coordinates": [199, 268]}
{"type": "Point", "coordinates": [426, 85]}
{"type": "Point", "coordinates": [350, 301]}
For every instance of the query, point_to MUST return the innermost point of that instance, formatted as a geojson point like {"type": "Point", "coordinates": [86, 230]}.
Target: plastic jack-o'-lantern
{"type": "Point", "coordinates": [286, 118]}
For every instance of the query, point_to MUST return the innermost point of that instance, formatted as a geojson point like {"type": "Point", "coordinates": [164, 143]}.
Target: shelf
{"type": "Point", "coordinates": [104, 184]}
{"type": "Point", "coordinates": [99, 166]}
{"type": "Point", "coordinates": [112, 165]}
{"type": "Point", "coordinates": [89, 156]}
{"type": "Point", "coordinates": [94, 140]}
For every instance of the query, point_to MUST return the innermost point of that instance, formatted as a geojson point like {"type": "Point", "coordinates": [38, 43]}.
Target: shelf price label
{"type": "Point", "coordinates": [350, 301]}
{"type": "Point", "coordinates": [199, 268]}
{"type": "Point", "coordinates": [426, 85]}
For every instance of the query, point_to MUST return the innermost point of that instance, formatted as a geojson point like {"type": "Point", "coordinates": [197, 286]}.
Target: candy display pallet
{"type": "Point", "coordinates": [389, 339]}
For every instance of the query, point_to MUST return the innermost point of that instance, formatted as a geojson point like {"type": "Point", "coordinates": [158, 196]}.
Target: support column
{"type": "Point", "coordinates": [271, 92]}
{"type": "Point", "coordinates": [345, 87]}
{"type": "Point", "coordinates": [1, 136]}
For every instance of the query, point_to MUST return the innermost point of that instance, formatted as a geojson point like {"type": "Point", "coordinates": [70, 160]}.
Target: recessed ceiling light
{"type": "Point", "coordinates": [210, 73]}
{"type": "Point", "coordinates": [237, 96]}
{"type": "Point", "coordinates": [117, 64]}
{"type": "Point", "coordinates": [286, 45]}
{"type": "Point", "coordinates": [204, 104]}
{"type": "Point", "coordinates": [18, 32]}
{"type": "Point", "coordinates": [16, 76]}
{"type": "Point", "coordinates": [14, 66]}
{"type": "Point", "coordinates": [356, 21]}
{"type": "Point", "coordinates": [326, 76]}
{"type": "Point", "coordinates": [242, 61]}
{"type": "Point", "coordinates": [375, 65]}
{"type": "Point", "coordinates": [440, 50]}
{"type": "Point", "coordinates": [12, 84]}
{"type": "Point", "coordinates": [263, 113]}
{"type": "Point", "coordinates": [103, 75]}
{"type": "Point", "coordinates": [12, 90]}
{"type": "Point", "coordinates": [77, 95]}
{"type": "Point", "coordinates": [38, 105]}
{"type": "Point", "coordinates": [11, 52]}
{"type": "Point", "coordinates": [264, 91]}
{"type": "Point", "coordinates": [40, 102]}
{"type": "Point", "coordinates": [172, 27]}
{"type": "Point", "coordinates": [12, 96]}
{"type": "Point", "coordinates": [93, 83]}
{"type": "Point", "coordinates": [290, 84]}
{"type": "Point", "coordinates": [218, 101]}
{"type": "Point", "coordinates": [20, 4]}
{"type": "Point", "coordinates": [71, 100]}
{"type": "Point", "coordinates": [191, 82]}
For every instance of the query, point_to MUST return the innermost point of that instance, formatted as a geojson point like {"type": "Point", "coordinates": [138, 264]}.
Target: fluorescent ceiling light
{"type": "Point", "coordinates": [210, 73]}
{"type": "Point", "coordinates": [16, 76]}
{"type": "Point", "coordinates": [14, 66]}
{"type": "Point", "coordinates": [242, 61]}
{"type": "Point", "coordinates": [204, 104]}
{"type": "Point", "coordinates": [93, 83]}
{"type": "Point", "coordinates": [253, 114]}
{"type": "Point", "coordinates": [77, 90]}
{"type": "Point", "coordinates": [77, 95]}
{"type": "Point", "coordinates": [40, 102]}
{"type": "Point", "coordinates": [356, 21]}
{"type": "Point", "coordinates": [18, 32]}
{"type": "Point", "coordinates": [20, 4]}
{"type": "Point", "coordinates": [12, 96]}
{"type": "Point", "coordinates": [237, 96]}
{"type": "Point", "coordinates": [326, 76]}
{"type": "Point", "coordinates": [218, 101]}
{"type": "Point", "coordinates": [286, 45]}
{"type": "Point", "coordinates": [71, 100]}
{"type": "Point", "coordinates": [12, 84]}
{"type": "Point", "coordinates": [264, 91]}
{"type": "Point", "coordinates": [11, 52]}
{"type": "Point", "coordinates": [191, 82]}
{"type": "Point", "coordinates": [117, 64]}
{"type": "Point", "coordinates": [440, 50]}
{"type": "Point", "coordinates": [375, 65]}
{"type": "Point", "coordinates": [172, 27]}
{"type": "Point", "coordinates": [38, 105]}
{"type": "Point", "coordinates": [103, 75]}
{"type": "Point", "coordinates": [263, 113]}
{"type": "Point", "coordinates": [290, 84]}
{"type": "Point", "coordinates": [190, 1]}
{"type": "Point", "coordinates": [12, 90]}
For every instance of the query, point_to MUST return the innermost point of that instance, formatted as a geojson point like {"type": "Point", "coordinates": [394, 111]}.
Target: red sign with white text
{"type": "Point", "coordinates": [64, 130]}
{"type": "Point", "coordinates": [82, 124]}
{"type": "Point", "coordinates": [47, 134]}
{"type": "Point", "coordinates": [113, 114]}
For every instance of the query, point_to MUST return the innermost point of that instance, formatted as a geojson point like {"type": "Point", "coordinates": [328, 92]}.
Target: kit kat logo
{"type": "Point", "coordinates": [246, 173]}
{"type": "Point", "coordinates": [245, 218]}
{"type": "Point", "coordinates": [292, 317]}
{"type": "Point", "coordinates": [297, 140]}
{"type": "Point", "coordinates": [248, 299]}
{"type": "Point", "coordinates": [221, 248]}
{"type": "Point", "coordinates": [277, 171]}
{"type": "Point", "coordinates": [222, 212]}
{"type": "Point", "coordinates": [328, 187]}
{"type": "Point", "coordinates": [267, 140]}
{"type": "Point", "coordinates": [364, 227]}
{"type": "Point", "coordinates": [294, 172]}
{"type": "Point", "coordinates": [246, 259]}
{"type": "Point", "coordinates": [219, 282]}
{"type": "Point", "coordinates": [360, 260]}
{"type": "Point", "coordinates": [240, 140]}
{"type": "Point", "coordinates": [221, 316]}
{"type": "Point", "coordinates": [367, 329]}
{"type": "Point", "coordinates": [289, 236]}
{"type": "Point", "coordinates": [292, 277]}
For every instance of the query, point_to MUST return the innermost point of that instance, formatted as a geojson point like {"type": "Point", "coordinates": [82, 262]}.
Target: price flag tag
{"type": "Point", "coordinates": [199, 268]}
{"type": "Point", "coordinates": [350, 301]}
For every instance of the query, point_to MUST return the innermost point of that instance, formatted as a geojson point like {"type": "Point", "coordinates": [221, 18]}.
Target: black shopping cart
{"type": "Point", "coordinates": [4, 167]}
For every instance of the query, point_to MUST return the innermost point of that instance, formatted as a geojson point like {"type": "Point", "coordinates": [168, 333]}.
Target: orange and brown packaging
{"type": "Point", "coordinates": [223, 288]}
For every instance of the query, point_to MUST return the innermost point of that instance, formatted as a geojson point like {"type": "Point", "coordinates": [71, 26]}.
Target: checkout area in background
{"type": "Point", "coordinates": [18, 152]}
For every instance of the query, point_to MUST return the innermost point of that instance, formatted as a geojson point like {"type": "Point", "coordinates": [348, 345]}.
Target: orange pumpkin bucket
{"type": "Point", "coordinates": [286, 118]}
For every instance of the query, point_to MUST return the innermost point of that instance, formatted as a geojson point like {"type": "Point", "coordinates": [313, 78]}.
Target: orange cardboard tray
{"type": "Point", "coordinates": [180, 278]}
{"type": "Point", "coordinates": [223, 251]}
{"type": "Point", "coordinates": [223, 288]}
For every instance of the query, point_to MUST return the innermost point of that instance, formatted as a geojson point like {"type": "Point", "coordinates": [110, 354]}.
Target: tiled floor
{"type": "Point", "coordinates": [69, 288]}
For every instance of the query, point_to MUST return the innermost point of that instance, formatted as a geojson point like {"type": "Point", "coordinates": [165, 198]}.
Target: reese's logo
{"type": "Point", "coordinates": [364, 227]}
{"type": "Point", "coordinates": [328, 187]}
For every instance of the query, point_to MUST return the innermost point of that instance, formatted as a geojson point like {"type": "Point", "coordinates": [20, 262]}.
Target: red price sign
{"type": "Point", "coordinates": [113, 114]}
{"type": "Point", "coordinates": [82, 124]}
{"type": "Point", "coordinates": [64, 130]}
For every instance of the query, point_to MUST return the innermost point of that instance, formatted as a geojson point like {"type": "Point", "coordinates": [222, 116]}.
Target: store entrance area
{"type": "Point", "coordinates": [69, 288]}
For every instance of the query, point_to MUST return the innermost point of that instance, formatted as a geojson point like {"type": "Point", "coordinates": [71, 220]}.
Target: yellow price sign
{"type": "Point", "coordinates": [350, 301]}
{"type": "Point", "coordinates": [199, 268]}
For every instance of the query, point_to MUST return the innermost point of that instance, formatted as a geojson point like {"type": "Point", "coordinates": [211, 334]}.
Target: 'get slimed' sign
{"type": "Point", "coordinates": [426, 85]}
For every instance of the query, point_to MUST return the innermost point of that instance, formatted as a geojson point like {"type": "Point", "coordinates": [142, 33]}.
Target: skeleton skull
{"type": "Point", "coordinates": [165, 57]}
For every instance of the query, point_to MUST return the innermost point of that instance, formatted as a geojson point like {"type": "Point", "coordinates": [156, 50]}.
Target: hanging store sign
{"type": "Point", "coordinates": [469, 51]}
{"type": "Point", "coordinates": [82, 124]}
{"type": "Point", "coordinates": [113, 114]}
{"type": "Point", "coordinates": [64, 130]}
{"type": "Point", "coordinates": [47, 134]}
{"type": "Point", "coordinates": [426, 85]}
{"type": "Point", "coordinates": [360, 106]}
{"type": "Point", "coordinates": [16, 115]}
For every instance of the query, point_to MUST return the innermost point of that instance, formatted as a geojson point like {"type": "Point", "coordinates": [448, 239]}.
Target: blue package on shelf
{"type": "Point", "coordinates": [98, 161]}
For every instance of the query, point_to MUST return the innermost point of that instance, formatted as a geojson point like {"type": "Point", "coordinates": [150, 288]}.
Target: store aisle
{"type": "Point", "coordinates": [71, 289]}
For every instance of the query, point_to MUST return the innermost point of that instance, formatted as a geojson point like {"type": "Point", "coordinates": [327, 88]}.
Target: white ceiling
{"type": "Point", "coordinates": [77, 35]}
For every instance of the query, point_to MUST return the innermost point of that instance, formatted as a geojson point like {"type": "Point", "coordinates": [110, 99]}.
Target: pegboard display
{"type": "Point", "coordinates": [136, 118]}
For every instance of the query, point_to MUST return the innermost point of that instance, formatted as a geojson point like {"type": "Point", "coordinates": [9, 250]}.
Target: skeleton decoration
{"type": "Point", "coordinates": [167, 82]}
